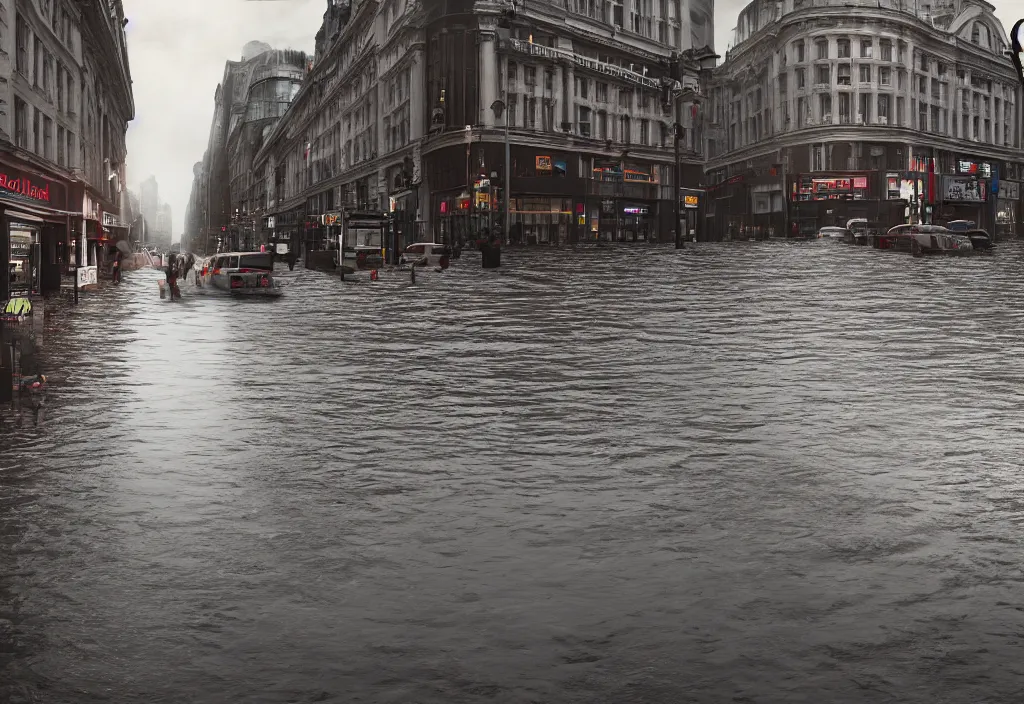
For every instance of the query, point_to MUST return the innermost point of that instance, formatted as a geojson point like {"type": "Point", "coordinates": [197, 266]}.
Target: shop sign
{"type": "Point", "coordinates": [983, 169]}
{"type": "Point", "coordinates": [87, 276]}
{"type": "Point", "coordinates": [963, 189]}
{"type": "Point", "coordinates": [330, 219]}
{"type": "Point", "coordinates": [543, 164]}
{"type": "Point", "coordinates": [607, 206]}
{"type": "Point", "coordinates": [635, 210]}
{"type": "Point", "coordinates": [1009, 190]}
{"type": "Point", "coordinates": [110, 220]}
{"type": "Point", "coordinates": [271, 222]}
{"type": "Point", "coordinates": [23, 186]}
{"type": "Point", "coordinates": [899, 188]}
{"type": "Point", "coordinates": [833, 188]}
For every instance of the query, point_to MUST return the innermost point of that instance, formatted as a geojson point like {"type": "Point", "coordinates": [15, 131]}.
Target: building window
{"type": "Point", "coordinates": [664, 134]}
{"type": "Point", "coordinates": [817, 158]}
{"type": "Point", "coordinates": [602, 92]}
{"type": "Point", "coordinates": [47, 72]}
{"type": "Point", "coordinates": [783, 87]}
{"type": "Point", "coordinates": [625, 127]}
{"type": "Point", "coordinates": [585, 88]}
{"type": "Point", "coordinates": [37, 131]}
{"type": "Point", "coordinates": [865, 73]}
{"type": "Point", "coordinates": [922, 85]}
{"type": "Point", "coordinates": [801, 78]}
{"type": "Point", "coordinates": [801, 112]}
{"type": "Point", "coordinates": [844, 48]}
{"type": "Point", "coordinates": [883, 109]}
{"type": "Point", "coordinates": [884, 76]}
{"type": "Point", "coordinates": [900, 110]}
{"type": "Point", "coordinates": [20, 122]}
{"type": "Point", "coordinates": [48, 138]}
{"type": "Point", "coordinates": [530, 76]}
{"type": "Point", "coordinates": [645, 132]}
{"type": "Point", "coordinates": [864, 108]}
{"type": "Point", "coordinates": [37, 73]}
{"type": "Point", "coordinates": [866, 49]}
{"type": "Point", "coordinates": [825, 103]}
{"type": "Point", "coordinates": [885, 47]}
{"type": "Point", "coordinates": [821, 47]}
{"type": "Point", "coordinates": [21, 61]}
{"type": "Point", "coordinates": [513, 103]}
{"type": "Point", "coordinates": [843, 75]}
{"type": "Point", "coordinates": [799, 47]}
{"type": "Point", "coordinates": [824, 76]}
{"type": "Point", "coordinates": [844, 108]}
{"type": "Point", "coordinates": [60, 87]}
{"type": "Point", "coordinates": [938, 124]}
{"type": "Point", "coordinates": [549, 80]}
{"type": "Point", "coordinates": [531, 113]}
{"type": "Point", "coordinates": [71, 149]}
{"type": "Point", "coordinates": [924, 62]}
{"type": "Point", "coordinates": [625, 98]}
{"type": "Point", "coordinates": [513, 72]}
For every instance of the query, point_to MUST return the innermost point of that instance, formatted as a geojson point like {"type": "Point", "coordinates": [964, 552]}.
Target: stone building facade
{"type": "Point", "coordinates": [826, 110]}
{"type": "Point", "coordinates": [253, 96]}
{"type": "Point", "coordinates": [66, 99]}
{"type": "Point", "coordinates": [398, 115]}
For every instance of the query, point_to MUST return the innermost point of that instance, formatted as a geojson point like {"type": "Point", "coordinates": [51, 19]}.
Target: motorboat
{"type": "Point", "coordinates": [924, 239]}
{"type": "Point", "coordinates": [833, 233]}
{"type": "Point", "coordinates": [980, 239]}
{"type": "Point", "coordinates": [426, 254]}
{"type": "Point", "coordinates": [859, 230]}
{"type": "Point", "coordinates": [241, 274]}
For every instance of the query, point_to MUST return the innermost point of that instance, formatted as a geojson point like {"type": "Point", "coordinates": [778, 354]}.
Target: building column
{"type": "Point", "coordinates": [559, 97]}
{"type": "Point", "coordinates": [488, 77]}
{"type": "Point", "coordinates": [569, 91]}
{"type": "Point", "coordinates": [418, 101]}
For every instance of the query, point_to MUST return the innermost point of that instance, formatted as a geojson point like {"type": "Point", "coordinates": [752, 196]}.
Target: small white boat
{"type": "Point", "coordinates": [241, 274]}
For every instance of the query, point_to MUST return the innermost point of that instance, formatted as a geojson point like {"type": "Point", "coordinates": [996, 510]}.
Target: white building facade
{"type": "Point", "coordinates": [827, 110]}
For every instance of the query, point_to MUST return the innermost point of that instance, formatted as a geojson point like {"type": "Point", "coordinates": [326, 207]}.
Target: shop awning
{"type": "Point", "coordinates": [32, 213]}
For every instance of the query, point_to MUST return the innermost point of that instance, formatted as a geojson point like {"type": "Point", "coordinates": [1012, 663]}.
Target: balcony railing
{"type": "Point", "coordinates": [531, 49]}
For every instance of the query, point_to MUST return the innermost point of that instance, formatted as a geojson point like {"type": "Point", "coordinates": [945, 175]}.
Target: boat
{"type": "Point", "coordinates": [241, 274]}
{"type": "Point", "coordinates": [859, 230]}
{"type": "Point", "coordinates": [426, 254]}
{"type": "Point", "coordinates": [980, 239]}
{"type": "Point", "coordinates": [832, 233]}
{"type": "Point", "coordinates": [923, 239]}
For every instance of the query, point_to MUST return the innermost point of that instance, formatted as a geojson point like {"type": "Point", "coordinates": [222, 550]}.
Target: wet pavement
{"type": "Point", "coordinates": [750, 472]}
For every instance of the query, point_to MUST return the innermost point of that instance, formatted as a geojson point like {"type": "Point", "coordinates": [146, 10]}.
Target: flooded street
{"type": "Point", "coordinates": [750, 472]}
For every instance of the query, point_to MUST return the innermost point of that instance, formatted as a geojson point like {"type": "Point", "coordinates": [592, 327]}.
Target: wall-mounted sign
{"type": "Point", "coordinates": [635, 210]}
{"type": "Point", "coordinates": [271, 222]}
{"type": "Point", "coordinates": [23, 186]}
{"type": "Point", "coordinates": [1009, 190]}
{"type": "Point", "coordinates": [690, 201]}
{"type": "Point", "coordinates": [543, 163]}
{"type": "Point", "coordinates": [87, 276]}
{"type": "Point", "coordinates": [330, 219]}
{"type": "Point", "coordinates": [111, 220]}
{"type": "Point", "coordinates": [964, 189]}
{"type": "Point", "coordinates": [983, 169]}
{"type": "Point", "coordinates": [860, 182]}
{"type": "Point", "coordinates": [560, 168]}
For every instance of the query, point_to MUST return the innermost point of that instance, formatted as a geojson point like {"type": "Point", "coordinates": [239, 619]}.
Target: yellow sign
{"type": "Point", "coordinates": [330, 219]}
{"type": "Point", "coordinates": [582, 220]}
{"type": "Point", "coordinates": [690, 201]}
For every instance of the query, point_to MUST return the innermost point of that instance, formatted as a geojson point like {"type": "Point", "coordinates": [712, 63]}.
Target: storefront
{"type": "Point", "coordinates": [34, 223]}
{"type": "Point", "coordinates": [831, 199]}
{"type": "Point", "coordinates": [1008, 209]}
{"type": "Point", "coordinates": [963, 197]}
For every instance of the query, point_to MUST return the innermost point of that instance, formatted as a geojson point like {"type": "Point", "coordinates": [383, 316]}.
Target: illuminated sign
{"type": "Point", "coordinates": [330, 219]}
{"type": "Point", "coordinates": [690, 201]}
{"type": "Point", "coordinates": [23, 186]}
{"type": "Point", "coordinates": [543, 163]}
{"type": "Point", "coordinates": [964, 189]}
{"type": "Point", "coordinates": [632, 210]}
{"type": "Point", "coordinates": [860, 182]}
{"type": "Point", "coordinates": [983, 169]}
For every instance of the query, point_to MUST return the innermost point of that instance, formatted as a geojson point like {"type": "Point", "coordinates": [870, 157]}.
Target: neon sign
{"type": "Point", "coordinates": [23, 186]}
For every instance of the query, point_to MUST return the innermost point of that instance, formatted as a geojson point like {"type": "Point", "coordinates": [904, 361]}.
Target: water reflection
{"type": "Point", "coordinates": [750, 472]}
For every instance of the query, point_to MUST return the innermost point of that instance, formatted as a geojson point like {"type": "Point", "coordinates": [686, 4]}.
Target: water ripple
{"type": "Point", "coordinates": [745, 472]}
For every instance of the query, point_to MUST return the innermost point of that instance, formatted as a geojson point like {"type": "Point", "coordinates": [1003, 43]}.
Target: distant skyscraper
{"type": "Point", "coordinates": [149, 197]}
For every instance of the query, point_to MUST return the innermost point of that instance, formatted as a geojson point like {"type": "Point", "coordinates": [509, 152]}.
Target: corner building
{"type": "Point", "coordinates": [827, 110]}
{"type": "Point", "coordinates": [396, 115]}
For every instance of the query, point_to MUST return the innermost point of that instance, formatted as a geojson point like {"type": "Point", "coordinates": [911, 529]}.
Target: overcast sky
{"type": "Point", "coordinates": [177, 50]}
